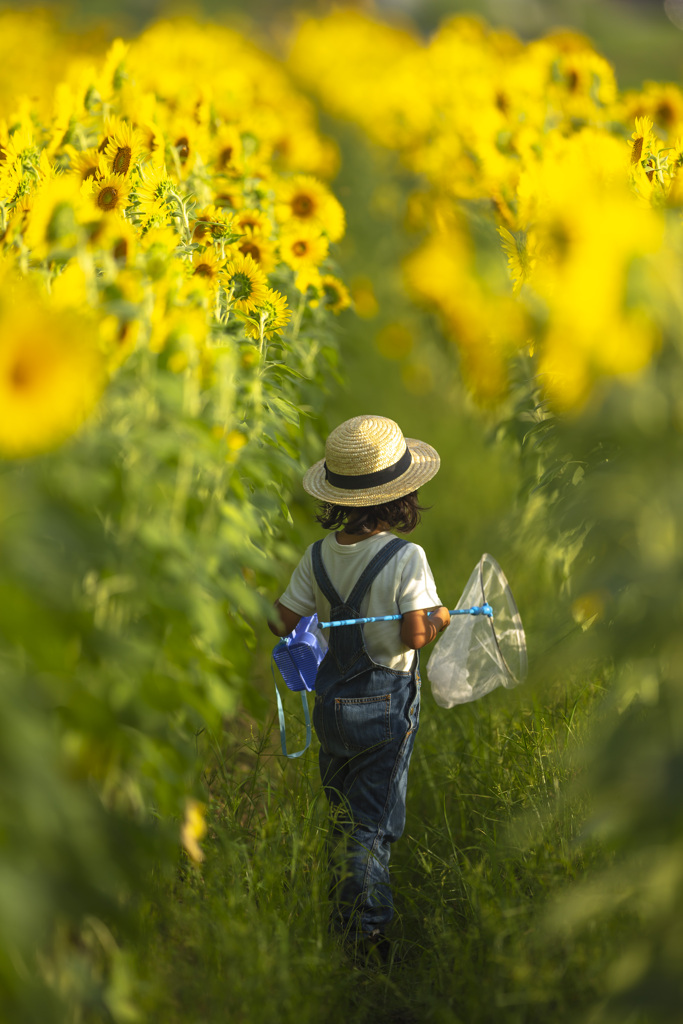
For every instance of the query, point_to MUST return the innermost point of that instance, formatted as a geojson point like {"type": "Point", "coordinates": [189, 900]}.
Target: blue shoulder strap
{"type": "Point", "coordinates": [373, 569]}
{"type": "Point", "coordinates": [321, 577]}
{"type": "Point", "coordinates": [367, 577]}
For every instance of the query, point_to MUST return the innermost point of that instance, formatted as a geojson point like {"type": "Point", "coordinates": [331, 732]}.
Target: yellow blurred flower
{"type": "Point", "coordinates": [194, 829]}
{"type": "Point", "coordinates": [153, 191]}
{"type": "Point", "coordinates": [85, 163]}
{"type": "Point", "coordinates": [55, 218]}
{"type": "Point", "coordinates": [308, 201]}
{"type": "Point", "coordinates": [303, 247]}
{"type": "Point", "coordinates": [206, 267]}
{"type": "Point", "coordinates": [261, 250]}
{"type": "Point", "coordinates": [51, 372]}
{"type": "Point", "coordinates": [335, 294]}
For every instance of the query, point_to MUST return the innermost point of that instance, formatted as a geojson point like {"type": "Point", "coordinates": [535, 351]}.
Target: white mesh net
{"type": "Point", "coordinates": [475, 653]}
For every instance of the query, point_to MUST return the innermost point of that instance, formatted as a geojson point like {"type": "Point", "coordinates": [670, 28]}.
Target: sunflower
{"type": "Point", "coordinates": [310, 283]}
{"type": "Point", "coordinates": [124, 149]}
{"type": "Point", "coordinates": [158, 246]}
{"type": "Point", "coordinates": [110, 193]}
{"type": "Point", "coordinates": [51, 374]}
{"type": "Point", "coordinates": [117, 239]}
{"type": "Point", "coordinates": [18, 218]}
{"type": "Point", "coordinates": [245, 283]}
{"type": "Point", "coordinates": [20, 149]}
{"type": "Point", "coordinates": [212, 222]}
{"type": "Point", "coordinates": [303, 247]}
{"type": "Point", "coordinates": [206, 267]}
{"type": "Point", "coordinates": [151, 140]}
{"type": "Point", "coordinates": [261, 250]}
{"type": "Point", "coordinates": [54, 222]}
{"type": "Point", "coordinates": [184, 143]}
{"type": "Point", "coordinates": [254, 219]}
{"type": "Point", "coordinates": [14, 185]}
{"type": "Point", "coordinates": [335, 295]}
{"type": "Point", "coordinates": [152, 192]}
{"type": "Point", "coordinates": [226, 150]}
{"type": "Point", "coordinates": [272, 312]}
{"type": "Point", "coordinates": [641, 139]}
{"type": "Point", "coordinates": [85, 163]}
{"type": "Point", "coordinates": [306, 200]}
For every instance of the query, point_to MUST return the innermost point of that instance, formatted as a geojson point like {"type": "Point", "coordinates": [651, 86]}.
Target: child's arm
{"type": "Point", "coordinates": [419, 628]}
{"type": "Point", "coordinates": [288, 620]}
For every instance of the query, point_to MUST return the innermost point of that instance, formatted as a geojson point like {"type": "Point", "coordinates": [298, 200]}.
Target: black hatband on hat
{"type": "Point", "coordinates": [376, 479]}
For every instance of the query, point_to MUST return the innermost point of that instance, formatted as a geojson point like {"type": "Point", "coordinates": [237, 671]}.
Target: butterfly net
{"type": "Point", "coordinates": [477, 653]}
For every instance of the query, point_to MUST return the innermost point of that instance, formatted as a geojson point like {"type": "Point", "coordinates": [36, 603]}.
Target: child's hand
{"type": "Point", "coordinates": [421, 627]}
{"type": "Point", "coordinates": [441, 617]}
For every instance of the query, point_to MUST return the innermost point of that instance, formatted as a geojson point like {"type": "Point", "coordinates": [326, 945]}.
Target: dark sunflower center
{"type": "Point", "coordinates": [637, 150]}
{"type": "Point", "coordinates": [203, 270]}
{"type": "Point", "coordinates": [121, 161]}
{"type": "Point", "coordinates": [200, 229]}
{"type": "Point", "coordinates": [3, 153]}
{"type": "Point", "coordinates": [20, 376]}
{"type": "Point", "coordinates": [120, 250]}
{"type": "Point", "coordinates": [502, 102]}
{"type": "Point", "coordinates": [560, 237]}
{"type": "Point", "coordinates": [251, 249]}
{"type": "Point", "coordinates": [225, 157]}
{"type": "Point", "coordinates": [108, 198]}
{"type": "Point", "coordinates": [665, 113]}
{"type": "Point", "coordinates": [302, 206]}
{"type": "Point", "coordinates": [183, 147]}
{"type": "Point", "coordinates": [300, 248]}
{"type": "Point", "coordinates": [103, 144]}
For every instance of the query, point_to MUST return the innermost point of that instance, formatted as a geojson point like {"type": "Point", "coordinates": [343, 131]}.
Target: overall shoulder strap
{"type": "Point", "coordinates": [321, 577]}
{"type": "Point", "coordinates": [372, 569]}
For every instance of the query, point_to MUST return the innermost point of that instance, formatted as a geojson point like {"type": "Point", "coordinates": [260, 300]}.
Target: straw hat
{"type": "Point", "coordinates": [368, 461]}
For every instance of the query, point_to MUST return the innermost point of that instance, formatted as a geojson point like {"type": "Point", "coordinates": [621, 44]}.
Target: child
{"type": "Point", "coordinates": [368, 685]}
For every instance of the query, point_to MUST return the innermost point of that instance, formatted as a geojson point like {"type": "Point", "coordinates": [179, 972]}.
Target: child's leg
{"type": "Point", "coordinates": [365, 896]}
{"type": "Point", "coordinates": [333, 772]}
{"type": "Point", "coordinates": [370, 783]}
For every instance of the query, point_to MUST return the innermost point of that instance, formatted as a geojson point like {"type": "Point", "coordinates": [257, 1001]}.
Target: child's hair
{"type": "Point", "coordinates": [401, 514]}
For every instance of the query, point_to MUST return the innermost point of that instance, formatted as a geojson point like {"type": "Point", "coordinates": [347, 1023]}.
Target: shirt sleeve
{"type": "Point", "coordinates": [299, 596]}
{"type": "Point", "coordinates": [417, 588]}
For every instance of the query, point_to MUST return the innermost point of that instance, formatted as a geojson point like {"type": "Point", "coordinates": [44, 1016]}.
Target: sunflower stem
{"type": "Point", "coordinates": [183, 215]}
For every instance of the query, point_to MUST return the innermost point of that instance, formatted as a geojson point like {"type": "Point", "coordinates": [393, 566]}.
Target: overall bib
{"type": "Point", "coordinates": [365, 717]}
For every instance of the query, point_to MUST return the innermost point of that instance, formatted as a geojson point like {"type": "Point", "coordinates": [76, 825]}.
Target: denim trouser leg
{"type": "Point", "coordinates": [365, 778]}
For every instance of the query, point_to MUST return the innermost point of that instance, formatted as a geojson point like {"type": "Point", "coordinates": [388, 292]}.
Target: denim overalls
{"type": "Point", "coordinates": [366, 717]}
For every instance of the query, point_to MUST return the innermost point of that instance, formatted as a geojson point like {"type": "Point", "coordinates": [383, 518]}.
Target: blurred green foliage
{"type": "Point", "coordinates": [134, 560]}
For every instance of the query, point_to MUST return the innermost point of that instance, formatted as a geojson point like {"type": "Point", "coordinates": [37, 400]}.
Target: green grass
{"type": "Point", "coordinates": [486, 848]}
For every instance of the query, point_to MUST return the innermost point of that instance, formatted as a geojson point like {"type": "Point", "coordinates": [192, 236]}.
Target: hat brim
{"type": "Point", "coordinates": [424, 465]}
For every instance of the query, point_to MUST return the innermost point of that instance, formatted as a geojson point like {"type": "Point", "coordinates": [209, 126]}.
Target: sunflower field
{"type": "Point", "coordinates": [166, 299]}
{"type": "Point", "coordinates": [171, 240]}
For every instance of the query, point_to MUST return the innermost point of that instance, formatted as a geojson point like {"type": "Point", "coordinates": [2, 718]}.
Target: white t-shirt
{"type": "Point", "coordinates": [406, 584]}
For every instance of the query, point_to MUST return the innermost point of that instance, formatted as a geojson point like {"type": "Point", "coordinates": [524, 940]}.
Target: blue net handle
{"type": "Point", "coordinates": [477, 609]}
